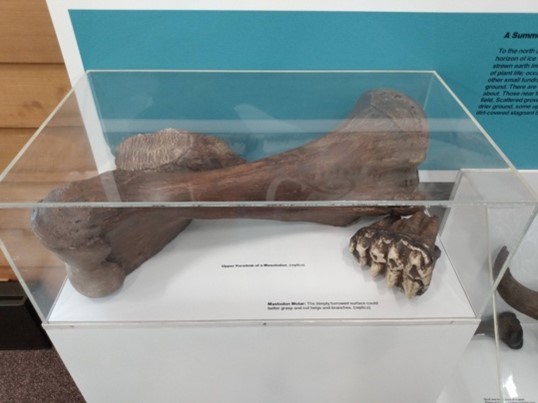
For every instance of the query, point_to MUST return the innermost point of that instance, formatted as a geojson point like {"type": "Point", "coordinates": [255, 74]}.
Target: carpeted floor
{"type": "Point", "coordinates": [28, 376]}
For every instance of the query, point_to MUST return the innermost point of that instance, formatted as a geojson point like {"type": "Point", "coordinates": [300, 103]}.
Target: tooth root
{"type": "Point", "coordinates": [360, 247]}
{"type": "Point", "coordinates": [361, 253]}
{"type": "Point", "coordinates": [364, 254]}
{"type": "Point", "coordinates": [394, 267]}
{"type": "Point", "coordinates": [414, 262]}
{"type": "Point", "coordinates": [411, 288]}
{"type": "Point", "coordinates": [376, 268]}
{"type": "Point", "coordinates": [393, 253]}
{"type": "Point", "coordinates": [427, 276]}
{"type": "Point", "coordinates": [394, 277]}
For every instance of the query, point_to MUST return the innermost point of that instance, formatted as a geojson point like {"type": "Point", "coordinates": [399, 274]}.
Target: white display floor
{"type": "Point", "coordinates": [484, 373]}
{"type": "Point", "coordinates": [519, 368]}
{"type": "Point", "coordinates": [262, 270]}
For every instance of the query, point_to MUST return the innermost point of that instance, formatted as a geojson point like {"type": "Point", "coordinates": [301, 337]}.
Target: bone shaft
{"type": "Point", "coordinates": [512, 291]}
{"type": "Point", "coordinates": [372, 155]}
{"type": "Point", "coordinates": [518, 296]}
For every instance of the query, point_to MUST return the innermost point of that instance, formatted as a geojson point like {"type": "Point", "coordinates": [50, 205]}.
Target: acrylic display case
{"type": "Point", "coordinates": [491, 369]}
{"type": "Point", "coordinates": [241, 309]}
{"type": "Point", "coordinates": [518, 368]}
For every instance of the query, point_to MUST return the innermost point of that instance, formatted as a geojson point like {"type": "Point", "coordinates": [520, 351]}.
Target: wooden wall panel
{"type": "Point", "coordinates": [30, 92]}
{"type": "Point", "coordinates": [26, 33]}
{"type": "Point", "coordinates": [57, 154]}
{"type": "Point", "coordinates": [32, 81]}
{"type": "Point", "coordinates": [11, 141]}
{"type": "Point", "coordinates": [5, 270]}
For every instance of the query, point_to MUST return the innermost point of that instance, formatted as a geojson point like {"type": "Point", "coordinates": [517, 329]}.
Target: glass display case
{"type": "Point", "coordinates": [518, 367]}
{"type": "Point", "coordinates": [499, 364]}
{"type": "Point", "coordinates": [331, 216]}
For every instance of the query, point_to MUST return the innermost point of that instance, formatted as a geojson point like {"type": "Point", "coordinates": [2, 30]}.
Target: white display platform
{"type": "Point", "coordinates": [248, 310]}
{"type": "Point", "coordinates": [272, 363]}
{"type": "Point", "coordinates": [519, 368]}
{"type": "Point", "coordinates": [476, 378]}
{"type": "Point", "coordinates": [262, 270]}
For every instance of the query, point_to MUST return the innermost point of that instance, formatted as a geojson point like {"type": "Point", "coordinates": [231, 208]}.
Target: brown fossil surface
{"type": "Point", "coordinates": [509, 329]}
{"type": "Point", "coordinates": [512, 291]}
{"type": "Point", "coordinates": [113, 245]}
{"type": "Point", "coordinates": [403, 249]}
{"type": "Point", "coordinates": [174, 151]}
{"type": "Point", "coordinates": [373, 155]}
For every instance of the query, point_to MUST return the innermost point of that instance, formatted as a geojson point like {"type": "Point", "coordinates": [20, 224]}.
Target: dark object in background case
{"type": "Point", "coordinates": [20, 326]}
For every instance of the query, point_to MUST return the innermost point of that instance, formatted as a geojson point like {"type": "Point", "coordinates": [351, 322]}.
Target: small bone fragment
{"type": "Point", "coordinates": [512, 291]}
{"type": "Point", "coordinates": [372, 155]}
{"type": "Point", "coordinates": [401, 248]}
{"type": "Point", "coordinates": [509, 328]}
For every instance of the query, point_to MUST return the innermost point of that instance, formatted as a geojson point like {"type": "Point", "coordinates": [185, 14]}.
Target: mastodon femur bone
{"type": "Point", "coordinates": [373, 155]}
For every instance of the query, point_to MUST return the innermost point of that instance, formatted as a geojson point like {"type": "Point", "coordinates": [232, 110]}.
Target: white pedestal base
{"type": "Point", "coordinates": [243, 311]}
{"type": "Point", "coordinates": [271, 363]}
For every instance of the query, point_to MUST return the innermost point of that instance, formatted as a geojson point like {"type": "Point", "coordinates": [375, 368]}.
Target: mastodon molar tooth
{"type": "Point", "coordinates": [403, 248]}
